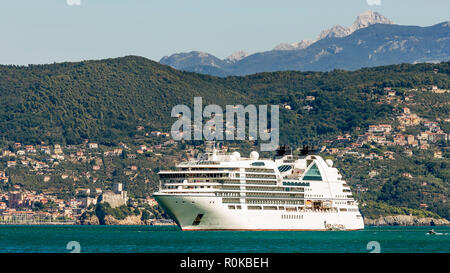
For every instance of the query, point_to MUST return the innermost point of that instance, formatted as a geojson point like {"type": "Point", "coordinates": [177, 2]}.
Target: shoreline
{"type": "Point", "coordinates": [406, 220]}
{"type": "Point", "coordinates": [174, 225]}
{"type": "Point", "coordinates": [391, 220]}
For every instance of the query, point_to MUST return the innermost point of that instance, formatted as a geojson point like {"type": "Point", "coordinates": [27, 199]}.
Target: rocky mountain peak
{"type": "Point", "coordinates": [368, 18]}
{"type": "Point", "coordinates": [335, 31]}
{"type": "Point", "coordinates": [236, 56]}
{"type": "Point", "coordinates": [363, 20]}
{"type": "Point", "coordinates": [297, 45]}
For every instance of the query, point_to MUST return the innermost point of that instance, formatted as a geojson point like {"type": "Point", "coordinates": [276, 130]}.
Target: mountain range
{"type": "Point", "coordinates": [364, 20]}
{"type": "Point", "coordinates": [372, 40]}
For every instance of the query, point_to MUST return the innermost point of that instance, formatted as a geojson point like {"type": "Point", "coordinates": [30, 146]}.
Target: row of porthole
{"type": "Point", "coordinates": [294, 216]}
{"type": "Point", "coordinates": [183, 202]}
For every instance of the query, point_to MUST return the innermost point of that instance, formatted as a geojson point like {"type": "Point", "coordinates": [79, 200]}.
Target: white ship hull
{"type": "Point", "coordinates": [185, 209]}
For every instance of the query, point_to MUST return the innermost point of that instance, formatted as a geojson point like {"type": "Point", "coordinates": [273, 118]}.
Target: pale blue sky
{"type": "Point", "coordinates": [47, 31]}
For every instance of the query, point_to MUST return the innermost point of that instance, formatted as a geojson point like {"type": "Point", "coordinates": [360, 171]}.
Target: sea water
{"type": "Point", "coordinates": [169, 239]}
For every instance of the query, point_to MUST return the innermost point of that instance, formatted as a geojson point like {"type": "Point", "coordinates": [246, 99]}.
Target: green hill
{"type": "Point", "coordinates": [105, 100]}
{"type": "Point", "coordinates": [100, 100]}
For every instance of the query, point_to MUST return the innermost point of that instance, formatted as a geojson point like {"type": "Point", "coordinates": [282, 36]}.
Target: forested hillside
{"type": "Point", "coordinates": [106, 100]}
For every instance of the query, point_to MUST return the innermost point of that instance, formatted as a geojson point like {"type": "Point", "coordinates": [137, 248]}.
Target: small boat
{"type": "Point", "coordinates": [432, 232]}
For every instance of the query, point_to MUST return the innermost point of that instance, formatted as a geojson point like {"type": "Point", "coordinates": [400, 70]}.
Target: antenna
{"type": "Point", "coordinates": [283, 150]}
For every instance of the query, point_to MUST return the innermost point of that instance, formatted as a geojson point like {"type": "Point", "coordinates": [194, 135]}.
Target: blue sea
{"type": "Point", "coordinates": [152, 239]}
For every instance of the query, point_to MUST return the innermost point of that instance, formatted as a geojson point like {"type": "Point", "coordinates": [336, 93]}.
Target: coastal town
{"type": "Point", "coordinates": [48, 164]}
{"type": "Point", "coordinates": [430, 137]}
{"type": "Point", "coordinates": [62, 183]}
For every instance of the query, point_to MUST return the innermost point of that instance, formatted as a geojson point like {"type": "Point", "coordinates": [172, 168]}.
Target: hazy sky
{"type": "Point", "coordinates": [47, 31]}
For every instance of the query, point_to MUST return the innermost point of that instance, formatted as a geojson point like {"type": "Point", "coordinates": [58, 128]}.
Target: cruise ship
{"type": "Point", "coordinates": [224, 191]}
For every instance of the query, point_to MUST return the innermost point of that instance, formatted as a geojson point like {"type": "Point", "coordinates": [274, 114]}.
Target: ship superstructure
{"type": "Point", "coordinates": [224, 191]}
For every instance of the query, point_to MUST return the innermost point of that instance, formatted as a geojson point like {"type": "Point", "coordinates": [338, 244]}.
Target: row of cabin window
{"type": "Point", "coordinates": [293, 216]}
